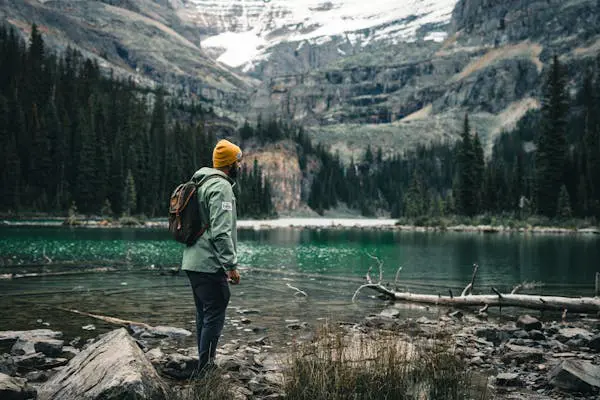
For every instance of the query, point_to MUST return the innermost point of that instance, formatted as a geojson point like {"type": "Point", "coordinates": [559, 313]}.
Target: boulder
{"type": "Point", "coordinates": [7, 365]}
{"type": "Point", "coordinates": [594, 343]}
{"type": "Point", "coordinates": [529, 323]}
{"type": "Point", "coordinates": [536, 335]}
{"type": "Point", "coordinates": [522, 354]}
{"type": "Point", "coordinates": [69, 352]}
{"type": "Point", "coordinates": [508, 379]}
{"type": "Point", "coordinates": [12, 388]}
{"type": "Point", "coordinates": [575, 375]}
{"type": "Point", "coordinates": [159, 332]}
{"type": "Point", "coordinates": [156, 355]}
{"type": "Point", "coordinates": [22, 347]}
{"type": "Point", "coordinates": [390, 312]}
{"type": "Point", "coordinates": [491, 334]}
{"type": "Point", "coordinates": [36, 376]}
{"type": "Point", "coordinates": [230, 363]}
{"type": "Point", "coordinates": [577, 342]}
{"type": "Point", "coordinates": [29, 361]}
{"type": "Point", "coordinates": [50, 347]}
{"type": "Point", "coordinates": [566, 334]}
{"type": "Point", "coordinates": [113, 367]}
{"type": "Point", "coordinates": [179, 366]}
{"type": "Point", "coordinates": [521, 334]}
{"type": "Point", "coordinates": [11, 336]}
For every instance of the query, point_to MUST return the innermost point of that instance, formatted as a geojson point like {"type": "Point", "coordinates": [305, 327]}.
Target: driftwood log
{"type": "Point", "coordinates": [484, 301]}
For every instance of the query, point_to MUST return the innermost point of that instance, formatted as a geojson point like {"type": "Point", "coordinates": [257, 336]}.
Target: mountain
{"type": "Point", "coordinates": [389, 73]}
{"type": "Point", "coordinates": [250, 31]}
{"type": "Point", "coordinates": [395, 93]}
{"type": "Point", "coordinates": [140, 39]}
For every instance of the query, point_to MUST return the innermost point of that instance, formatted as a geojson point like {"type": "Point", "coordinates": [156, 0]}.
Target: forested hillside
{"type": "Point", "coordinates": [548, 166]}
{"type": "Point", "coordinates": [69, 134]}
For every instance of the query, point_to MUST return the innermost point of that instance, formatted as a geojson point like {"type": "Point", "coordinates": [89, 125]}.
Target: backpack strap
{"type": "Point", "coordinates": [198, 185]}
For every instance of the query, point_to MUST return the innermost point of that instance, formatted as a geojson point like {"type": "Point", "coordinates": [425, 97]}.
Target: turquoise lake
{"type": "Point", "coordinates": [118, 273]}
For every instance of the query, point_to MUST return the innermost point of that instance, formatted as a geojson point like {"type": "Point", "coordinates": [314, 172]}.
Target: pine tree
{"type": "Point", "coordinates": [157, 168]}
{"type": "Point", "coordinates": [87, 176]}
{"type": "Point", "coordinates": [129, 195]}
{"type": "Point", "coordinates": [478, 172]}
{"type": "Point", "coordinates": [11, 177]}
{"type": "Point", "coordinates": [117, 179]}
{"type": "Point", "coordinates": [416, 202]}
{"type": "Point", "coordinates": [246, 131]}
{"type": "Point", "coordinates": [592, 141]}
{"type": "Point", "coordinates": [564, 203]}
{"type": "Point", "coordinates": [467, 189]}
{"type": "Point", "coordinates": [551, 153]}
{"type": "Point", "coordinates": [41, 163]}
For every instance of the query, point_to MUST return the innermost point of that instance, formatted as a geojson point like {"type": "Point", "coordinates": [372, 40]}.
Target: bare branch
{"type": "Point", "coordinates": [451, 295]}
{"type": "Point", "coordinates": [379, 265]}
{"type": "Point", "coordinates": [298, 291]}
{"type": "Point", "coordinates": [484, 309]}
{"type": "Point", "coordinates": [397, 275]}
{"type": "Point", "coordinates": [564, 315]}
{"type": "Point", "coordinates": [368, 285]}
{"type": "Point", "coordinates": [368, 275]}
{"type": "Point", "coordinates": [497, 292]}
{"type": "Point", "coordinates": [48, 259]}
{"type": "Point", "coordinates": [469, 288]}
{"type": "Point", "coordinates": [466, 290]}
{"type": "Point", "coordinates": [517, 288]}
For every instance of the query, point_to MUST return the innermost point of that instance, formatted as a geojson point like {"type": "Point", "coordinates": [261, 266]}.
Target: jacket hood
{"type": "Point", "coordinates": [205, 172]}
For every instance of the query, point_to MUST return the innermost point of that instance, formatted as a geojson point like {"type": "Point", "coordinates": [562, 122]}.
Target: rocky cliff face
{"type": "Point", "coordinates": [490, 65]}
{"type": "Point", "coordinates": [280, 163]}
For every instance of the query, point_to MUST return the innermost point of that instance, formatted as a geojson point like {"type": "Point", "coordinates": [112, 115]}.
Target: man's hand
{"type": "Point", "coordinates": [233, 276]}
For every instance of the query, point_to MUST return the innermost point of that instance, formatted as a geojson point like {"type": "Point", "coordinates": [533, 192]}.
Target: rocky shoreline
{"type": "Point", "coordinates": [320, 223]}
{"type": "Point", "coordinates": [526, 358]}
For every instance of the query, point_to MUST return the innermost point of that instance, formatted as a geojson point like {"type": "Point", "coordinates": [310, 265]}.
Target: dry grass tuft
{"type": "Point", "coordinates": [340, 366]}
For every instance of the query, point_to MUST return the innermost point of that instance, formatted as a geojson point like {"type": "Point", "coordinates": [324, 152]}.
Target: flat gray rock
{"type": "Point", "coordinates": [529, 323]}
{"type": "Point", "coordinates": [48, 346]}
{"type": "Point", "coordinates": [179, 366]}
{"type": "Point", "coordinates": [22, 347]}
{"type": "Point", "coordinates": [594, 343]}
{"type": "Point", "coordinates": [14, 335]}
{"type": "Point", "coordinates": [575, 375]}
{"type": "Point", "coordinates": [164, 332]}
{"type": "Point", "coordinates": [508, 379]}
{"type": "Point", "coordinates": [566, 334]}
{"type": "Point", "coordinates": [15, 388]}
{"type": "Point", "coordinates": [113, 367]}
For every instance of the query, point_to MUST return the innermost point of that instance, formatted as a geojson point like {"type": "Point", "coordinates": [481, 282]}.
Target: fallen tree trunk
{"type": "Point", "coordinates": [110, 320]}
{"type": "Point", "coordinates": [572, 304]}
{"type": "Point", "coordinates": [467, 299]}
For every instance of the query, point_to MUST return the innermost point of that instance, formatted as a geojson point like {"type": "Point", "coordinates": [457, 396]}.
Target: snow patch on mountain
{"type": "Point", "coordinates": [250, 27]}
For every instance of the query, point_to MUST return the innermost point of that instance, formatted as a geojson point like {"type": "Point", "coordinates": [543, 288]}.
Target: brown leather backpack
{"type": "Point", "coordinates": [185, 220]}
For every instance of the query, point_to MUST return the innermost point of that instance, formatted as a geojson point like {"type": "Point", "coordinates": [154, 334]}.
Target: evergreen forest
{"type": "Point", "coordinates": [72, 137]}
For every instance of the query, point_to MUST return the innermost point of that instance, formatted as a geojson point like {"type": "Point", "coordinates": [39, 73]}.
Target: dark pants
{"type": "Point", "coordinates": [211, 295]}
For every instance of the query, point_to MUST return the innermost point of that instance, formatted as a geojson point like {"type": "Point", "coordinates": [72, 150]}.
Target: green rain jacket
{"type": "Point", "coordinates": [216, 249]}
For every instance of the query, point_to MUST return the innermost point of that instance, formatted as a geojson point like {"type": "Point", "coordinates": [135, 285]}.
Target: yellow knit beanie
{"type": "Point", "coordinates": [226, 153]}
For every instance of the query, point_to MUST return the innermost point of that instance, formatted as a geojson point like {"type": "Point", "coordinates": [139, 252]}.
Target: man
{"type": "Point", "coordinates": [211, 262]}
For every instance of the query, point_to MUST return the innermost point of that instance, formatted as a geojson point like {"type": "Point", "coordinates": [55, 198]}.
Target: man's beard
{"type": "Point", "coordinates": [233, 172]}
